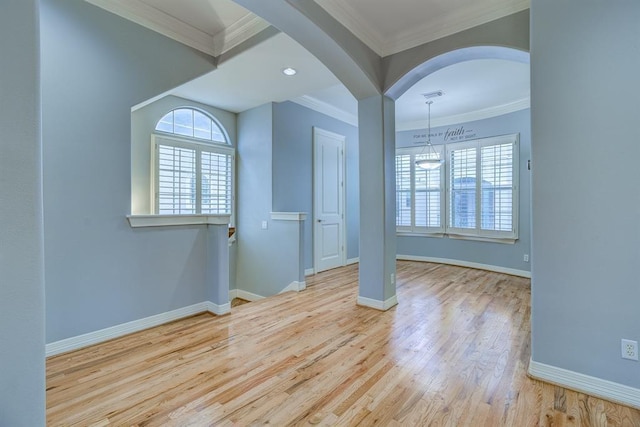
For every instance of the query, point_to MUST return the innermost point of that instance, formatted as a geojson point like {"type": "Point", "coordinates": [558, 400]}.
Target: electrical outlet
{"type": "Point", "coordinates": [525, 258]}
{"type": "Point", "coordinates": [629, 349]}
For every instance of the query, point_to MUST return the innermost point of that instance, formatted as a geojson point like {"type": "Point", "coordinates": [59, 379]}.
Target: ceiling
{"type": "Point", "coordinates": [472, 90]}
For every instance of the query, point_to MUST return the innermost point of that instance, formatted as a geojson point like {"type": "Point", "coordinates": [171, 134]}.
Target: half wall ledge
{"type": "Point", "coordinates": [136, 221]}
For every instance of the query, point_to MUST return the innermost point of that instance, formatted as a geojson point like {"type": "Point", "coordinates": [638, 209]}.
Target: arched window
{"type": "Point", "coordinates": [191, 123]}
{"type": "Point", "coordinates": [193, 167]}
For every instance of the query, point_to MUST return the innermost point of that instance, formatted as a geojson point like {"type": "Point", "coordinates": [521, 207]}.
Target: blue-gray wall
{"type": "Point", "coordinates": [255, 268]}
{"type": "Point", "coordinates": [98, 271]}
{"type": "Point", "coordinates": [585, 63]}
{"type": "Point", "coordinates": [268, 260]}
{"type": "Point", "coordinates": [22, 377]}
{"type": "Point", "coordinates": [293, 169]}
{"type": "Point", "coordinates": [503, 255]}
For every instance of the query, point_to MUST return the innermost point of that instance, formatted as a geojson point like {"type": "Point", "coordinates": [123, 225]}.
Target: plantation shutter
{"type": "Point", "coordinates": [497, 187]}
{"type": "Point", "coordinates": [216, 183]}
{"type": "Point", "coordinates": [403, 191]}
{"type": "Point", "coordinates": [192, 178]}
{"type": "Point", "coordinates": [419, 195]}
{"type": "Point", "coordinates": [483, 196]}
{"type": "Point", "coordinates": [176, 182]}
{"type": "Point", "coordinates": [462, 184]}
{"type": "Point", "coordinates": [427, 195]}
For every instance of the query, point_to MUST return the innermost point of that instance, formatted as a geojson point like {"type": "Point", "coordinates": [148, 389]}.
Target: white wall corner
{"type": "Point", "coordinates": [248, 295]}
{"type": "Point", "coordinates": [233, 293]}
{"type": "Point", "coordinates": [218, 309]}
{"type": "Point", "coordinates": [295, 287]}
{"type": "Point", "coordinates": [608, 390]}
{"type": "Point", "coordinates": [378, 305]}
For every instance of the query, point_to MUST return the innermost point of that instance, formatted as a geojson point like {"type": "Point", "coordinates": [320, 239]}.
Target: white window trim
{"type": "Point", "coordinates": [420, 230]}
{"type": "Point", "coordinates": [476, 234]}
{"type": "Point", "coordinates": [199, 146]}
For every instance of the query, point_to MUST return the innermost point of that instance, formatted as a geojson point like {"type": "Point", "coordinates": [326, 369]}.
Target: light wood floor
{"type": "Point", "coordinates": [454, 352]}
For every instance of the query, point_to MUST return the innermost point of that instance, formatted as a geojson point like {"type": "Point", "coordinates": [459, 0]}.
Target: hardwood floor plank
{"type": "Point", "coordinates": [454, 352]}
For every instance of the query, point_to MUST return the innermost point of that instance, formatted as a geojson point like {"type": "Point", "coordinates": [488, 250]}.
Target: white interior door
{"type": "Point", "coordinates": [328, 200]}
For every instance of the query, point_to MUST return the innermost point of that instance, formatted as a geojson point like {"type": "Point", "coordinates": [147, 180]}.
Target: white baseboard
{"type": "Point", "coordinates": [312, 271]}
{"type": "Point", "coordinates": [378, 305]}
{"type": "Point", "coordinates": [117, 331]}
{"type": "Point", "coordinates": [593, 386]}
{"type": "Point", "coordinates": [218, 309]}
{"type": "Point", "coordinates": [494, 268]}
{"type": "Point", "coordinates": [247, 295]}
{"type": "Point", "coordinates": [295, 286]}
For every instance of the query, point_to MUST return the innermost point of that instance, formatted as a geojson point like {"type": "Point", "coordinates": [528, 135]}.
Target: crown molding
{"type": "Point", "coordinates": [156, 20]}
{"type": "Point", "coordinates": [485, 113]}
{"type": "Point", "coordinates": [241, 30]}
{"type": "Point", "coordinates": [165, 24]}
{"type": "Point", "coordinates": [462, 19]}
{"type": "Point", "coordinates": [327, 109]}
{"type": "Point", "coordinates": [348, 17]}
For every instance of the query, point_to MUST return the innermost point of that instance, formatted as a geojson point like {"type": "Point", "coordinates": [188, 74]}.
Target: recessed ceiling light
{"type": "Point", "coordinates": [289, 71]}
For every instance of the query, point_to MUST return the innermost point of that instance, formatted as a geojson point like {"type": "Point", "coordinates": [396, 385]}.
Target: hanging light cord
{"type": "Point", "coordinates": [432, 160]}
{"type": "Point", "coordinates": [429, 122]}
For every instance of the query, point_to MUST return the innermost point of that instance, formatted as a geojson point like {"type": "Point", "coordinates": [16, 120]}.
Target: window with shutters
{"type": "Point", "coordinates": [419, 194]}
{"type": "Point", "coordinates": [193, 165]}
{"type": "Point", "coordinates": [483, 195]}
{"type": "Point", "coordinates": [480, 198]}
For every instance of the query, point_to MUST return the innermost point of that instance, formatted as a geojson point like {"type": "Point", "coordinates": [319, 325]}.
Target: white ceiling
{"type": "Point", "coordinates": [473, 89]}
{"type": "Point", "coordinates": [255, 77]}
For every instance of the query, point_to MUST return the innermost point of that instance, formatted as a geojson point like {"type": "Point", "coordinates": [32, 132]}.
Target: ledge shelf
{"type": "Point", "coordinates": [176, 220]}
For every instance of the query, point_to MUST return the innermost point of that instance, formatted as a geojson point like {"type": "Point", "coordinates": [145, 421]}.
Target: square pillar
{"type": "Point", "coordinates": [218, 267]}
{"type": "Point", "coordinates": [377, 276]}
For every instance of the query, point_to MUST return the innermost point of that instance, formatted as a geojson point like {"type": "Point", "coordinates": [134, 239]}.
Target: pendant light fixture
{"type": "Point", "coordinates": [430, 158]}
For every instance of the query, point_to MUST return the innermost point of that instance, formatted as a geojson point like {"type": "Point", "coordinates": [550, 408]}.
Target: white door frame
{"type": "Point", "coordinates": [316, 252]}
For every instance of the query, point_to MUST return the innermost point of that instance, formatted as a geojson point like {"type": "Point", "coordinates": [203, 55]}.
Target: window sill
{"type": "Point", "coordinates": [136, 221]}
{"type": "Point", "coordinates": [505, 240]}
{"type": "Point", "coordinates": [410, 234]}
{"type": "Point", "coordinates": [502, 240]}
